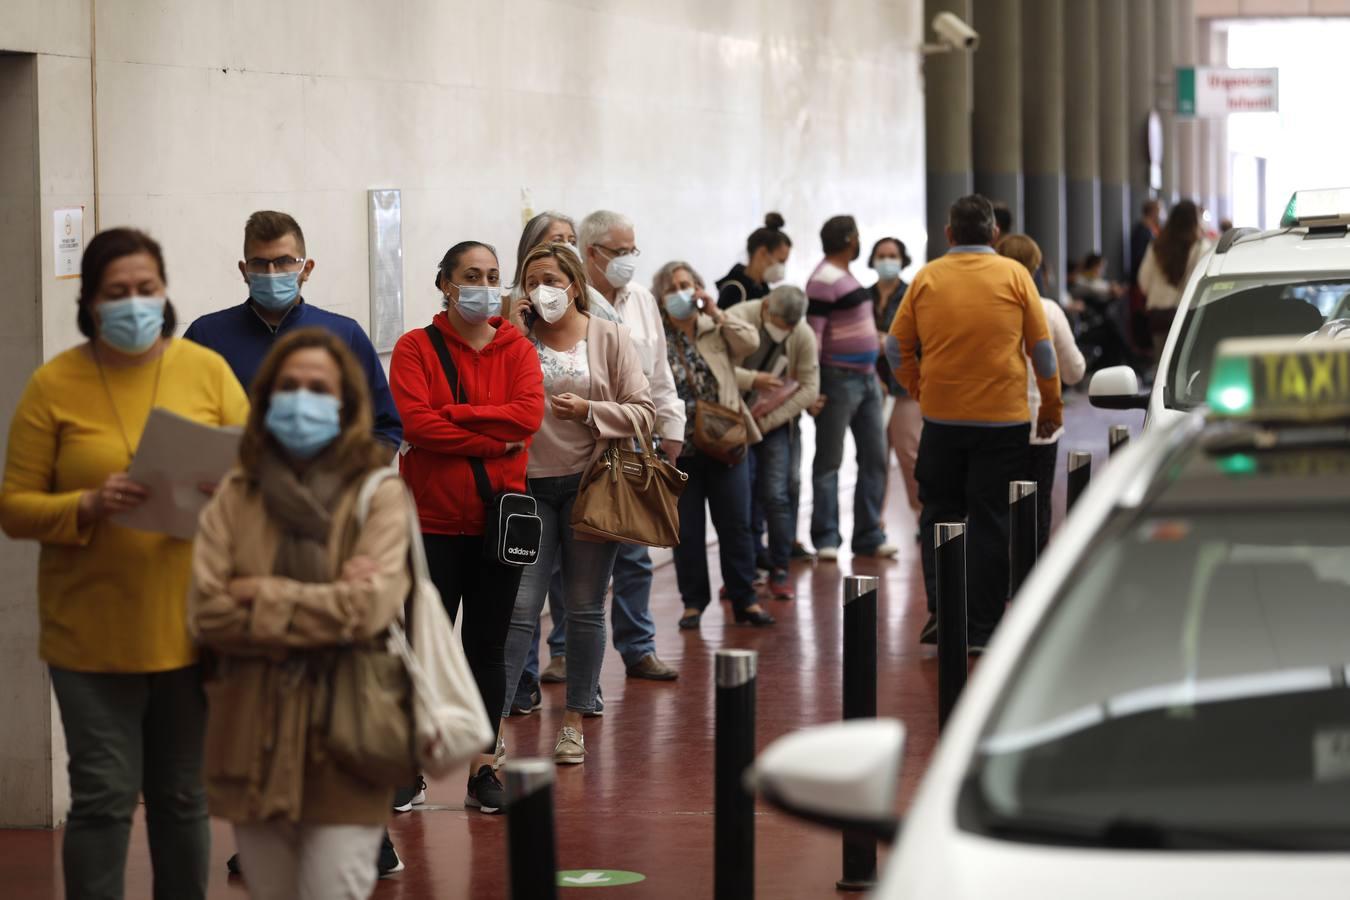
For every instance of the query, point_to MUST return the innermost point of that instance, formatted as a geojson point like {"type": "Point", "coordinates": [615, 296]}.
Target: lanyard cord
{"type": "Point", "coordinates": [154, 396]}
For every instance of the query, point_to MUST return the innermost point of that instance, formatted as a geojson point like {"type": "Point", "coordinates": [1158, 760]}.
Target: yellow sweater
{"type": "Point", "coordinates": [110, 599]}
{"type": "Point", "coordinates": [962, 329]}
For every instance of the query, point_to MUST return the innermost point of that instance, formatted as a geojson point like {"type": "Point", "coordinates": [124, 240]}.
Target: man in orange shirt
{"type": "Point", "coordinates": [957, 346]}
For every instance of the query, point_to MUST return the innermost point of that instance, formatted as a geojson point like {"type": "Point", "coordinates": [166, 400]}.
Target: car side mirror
{"type": "Point", "coordinates": [843, 776]}
{"type": "Point", "coordinates": [1116, 388]}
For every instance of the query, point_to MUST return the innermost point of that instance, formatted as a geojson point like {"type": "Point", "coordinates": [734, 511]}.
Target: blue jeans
{"type": "Point", "coordinates": [725, 492]}
{"type": "Point", "coordinates": [586, 567]}
{"type": "Point", "coordinates": [773, 489]}
{"type": "Point", "coordinates": [854, 403]}
{"type": "Point", "coordinates": [630, 612]}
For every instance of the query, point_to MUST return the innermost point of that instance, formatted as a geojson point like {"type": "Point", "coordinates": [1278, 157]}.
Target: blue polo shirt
{"type": "Point", "coordinates": [245, 338]}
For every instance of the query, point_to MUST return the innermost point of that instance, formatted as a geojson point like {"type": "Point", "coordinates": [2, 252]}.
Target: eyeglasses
{"type": "Point", "coordinates": [619, 251]}
{"type": "Point", "coordinates": [260, 266]}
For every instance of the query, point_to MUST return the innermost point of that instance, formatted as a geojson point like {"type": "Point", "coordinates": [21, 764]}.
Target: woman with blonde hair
{"type": "Point", "coordinates": [595, 393]}
{"type": "Point", "coordinates": [286, 575]}
{"type": "Point", "coordinates": [704, 346]}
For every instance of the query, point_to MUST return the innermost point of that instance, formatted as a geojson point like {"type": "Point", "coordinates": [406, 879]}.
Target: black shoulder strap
{"type": "Point", "coordinates": [442, 349]}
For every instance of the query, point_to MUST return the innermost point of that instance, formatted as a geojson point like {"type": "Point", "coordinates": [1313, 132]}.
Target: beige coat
{"type": "Point", "coordinates": [267, 695]}
{"type": "Point", "coordinates": [803, 366]}
{"type": "Point", "coordinates": [722, 348]}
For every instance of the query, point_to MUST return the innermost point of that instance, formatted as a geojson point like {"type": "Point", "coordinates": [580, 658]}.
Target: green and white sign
{"type": "Point", "coordinates": [1208, 93]}
{"type": "Point", "coordinates": [588, 878]}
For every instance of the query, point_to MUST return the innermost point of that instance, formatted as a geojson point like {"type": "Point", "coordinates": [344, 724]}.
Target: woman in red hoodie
{"type": "Point", "coordinates": [494, 418]}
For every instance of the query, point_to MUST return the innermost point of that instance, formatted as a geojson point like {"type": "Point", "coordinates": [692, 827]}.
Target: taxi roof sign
{"type": "Point", "coordinates": [1328, 206]}
{"type": "Point", "coordinates": [1275, 379]}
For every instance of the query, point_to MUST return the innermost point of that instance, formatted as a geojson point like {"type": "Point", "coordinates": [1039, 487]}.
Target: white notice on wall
{"type": "Point", "coordinates": [68, 242]}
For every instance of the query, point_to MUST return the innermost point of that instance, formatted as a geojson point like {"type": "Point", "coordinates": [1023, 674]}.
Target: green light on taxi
{"type": "Point", "coordinates": [1230, 390]}
{"type": "Point", "coordinates": [1238, 464]}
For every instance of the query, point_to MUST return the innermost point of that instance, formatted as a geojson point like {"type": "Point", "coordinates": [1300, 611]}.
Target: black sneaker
{"type": "Point", "coordinates": [406, 798]}
{"type": "Point", "coordinates": [929, 633]}
{"type": "Point", "coordinates": [485, 793]}
{"type": "Point", "coordinates": [523, 706]}
{"type": "Point", "coordinates": [799, 552]}
{"type": "Point", "coordinates": [232, 865]}
{"type": "Point", "coordinates": [388, 862]}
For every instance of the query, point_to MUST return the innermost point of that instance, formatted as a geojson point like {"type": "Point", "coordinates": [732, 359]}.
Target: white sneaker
{"type": "Point", "coordinates": [885, 551]}
{"type": "Point", "coordinates": [571, 748]}
{"type": "Point", "coordinates": [499, 756]}
{"type": "Point", "coordinates": [827, 554]}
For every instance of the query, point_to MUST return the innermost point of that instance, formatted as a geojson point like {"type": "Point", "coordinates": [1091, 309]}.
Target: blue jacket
{"type": "Point", "coordinates": [242, 336]}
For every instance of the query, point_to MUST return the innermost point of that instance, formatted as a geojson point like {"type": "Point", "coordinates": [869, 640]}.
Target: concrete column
{"type": "Point", "coordinates": [1139, 67]}
{"type": "Point", "coordinates": [1214, 46]}
{"type": "Point", "coordinates": [947, 103]}
{"type": "Point", "coordinates": [1043, 133]}
{"type": "Point", "coordinates": [996, 130]}
{"type": "Point", "coordinates": [1082, 155]}
{"type": "Point", "coordinates": [1188, 130]}
{"type": "Point", "coordinates": [1113, 130]}
{"type": "Point", "coordinates": [1164, 90]}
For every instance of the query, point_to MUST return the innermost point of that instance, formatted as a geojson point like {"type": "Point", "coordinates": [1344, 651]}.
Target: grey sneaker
{"type": "Point", "coordinates": [555, 672]}
{"type": "Point", "coordinates": [571, 748]}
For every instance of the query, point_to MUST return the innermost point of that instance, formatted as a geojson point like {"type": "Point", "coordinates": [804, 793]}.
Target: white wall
{"type": "Point", "coordinates": [694, 117]}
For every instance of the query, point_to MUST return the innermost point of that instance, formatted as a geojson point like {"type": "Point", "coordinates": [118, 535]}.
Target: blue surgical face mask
{"type": "Point", "coordinates": [304, 422]}
{"type": "Point", "coordinates": [680, 304]}
{"type": "Point", "coordinates": [478, 303]}
{"type": "Point", "coordinates": [888, 269]}
{"type": "Point", "coordinates": [131, 325]}
{"type": "Point", "coordinates": [274, 292]}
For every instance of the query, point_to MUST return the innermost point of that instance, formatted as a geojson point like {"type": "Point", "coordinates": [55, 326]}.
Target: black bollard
{"type": "Point", "coordinates": [1022, 533]}
{"type": "Point", "coordinates": [733, 805]}
{"type": "Point", "coordinates": [950, 553]}
{"type": "Point", "coordinates": [1116, 437]}
{"type": "Point", "coordinates": [1079, 474]}
{"type": "Point", "coordinates": [860, 702]}
{"type": "Point", "coordinates": [531, 853]}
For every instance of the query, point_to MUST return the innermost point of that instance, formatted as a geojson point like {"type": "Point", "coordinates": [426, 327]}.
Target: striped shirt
{"type": "Point", "coordinates": [840, 313]}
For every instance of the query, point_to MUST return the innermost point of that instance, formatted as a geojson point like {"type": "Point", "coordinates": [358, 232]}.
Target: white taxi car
{"type": "Point", "coordinates": [1165, 711]}
{"type": "Point", "coordinates": [1289, 281]}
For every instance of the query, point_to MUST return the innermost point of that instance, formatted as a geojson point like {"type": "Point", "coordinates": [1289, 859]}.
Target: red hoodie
{"type": "Point", "coordinates": [505, 390]}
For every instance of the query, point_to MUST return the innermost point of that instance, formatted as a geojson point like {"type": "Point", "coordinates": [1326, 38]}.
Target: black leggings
{"type": "Point", "coordinates": [488, 592]}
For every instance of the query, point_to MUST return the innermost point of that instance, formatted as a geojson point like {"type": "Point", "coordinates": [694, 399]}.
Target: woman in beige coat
{"type": "Point", "coordinates": [283, 576]}
{"type": "Point", "coordinates": [704, 346]}
{"type": "Point", "coordinates": [595, 392]}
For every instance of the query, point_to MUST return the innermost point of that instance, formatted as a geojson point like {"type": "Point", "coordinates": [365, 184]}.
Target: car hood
{"type": "Point", "coordinates": [959, 866]}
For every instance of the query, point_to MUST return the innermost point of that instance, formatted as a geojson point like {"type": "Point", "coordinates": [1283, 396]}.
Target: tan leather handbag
{"type": "Point", "coordinates": [370, 727]}
{"type": "Point", "coordinates": [719, 431]}
{"type": "Point", "coordinates": [631, 496]}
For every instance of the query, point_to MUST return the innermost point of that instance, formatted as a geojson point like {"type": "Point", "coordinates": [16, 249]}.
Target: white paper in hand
{"type": "Point", "coordinates": [176, 456]}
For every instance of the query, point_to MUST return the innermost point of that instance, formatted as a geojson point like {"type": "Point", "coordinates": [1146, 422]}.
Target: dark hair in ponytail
{"type": "Point", "coordinates": [451, 259]}
{"type": "Point", "coordinates": [770, 237]}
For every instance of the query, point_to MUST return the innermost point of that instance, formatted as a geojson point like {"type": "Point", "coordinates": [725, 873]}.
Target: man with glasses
{"type": "Point", "coordinates": [275, 268]}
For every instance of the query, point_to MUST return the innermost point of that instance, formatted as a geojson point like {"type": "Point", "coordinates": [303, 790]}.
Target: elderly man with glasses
{"type": "Point", "coordinates": [275, 269]}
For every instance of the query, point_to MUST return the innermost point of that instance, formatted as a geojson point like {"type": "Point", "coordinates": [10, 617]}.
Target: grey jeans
{"type": "Point", "coordinates": [133, 735]}
{"type": "Point", "coordinates": [586, 567]}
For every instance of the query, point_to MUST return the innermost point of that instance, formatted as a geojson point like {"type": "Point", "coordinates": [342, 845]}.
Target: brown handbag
{"type": "Point", "coordinates": [719, 431]}
{"type": "Point", "coordinates": [369, 732]}
{"type": "Point", "coordinates": [631, 496]}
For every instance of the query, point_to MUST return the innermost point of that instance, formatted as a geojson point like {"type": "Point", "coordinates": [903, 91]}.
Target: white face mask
{"type": "Point", "coordinates": [778, 334]}
{"type": "Point", "coordinates": [775, 273]}
{"type": "Point", "coordinates": [621, 270]}
{"type": "Point", "coordinates": [550, 302]}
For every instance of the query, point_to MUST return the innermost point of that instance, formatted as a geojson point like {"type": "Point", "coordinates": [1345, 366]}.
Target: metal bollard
{"type": "Point", "coordinates": [1023, 540]}
{"type": "Point", "coordinates": [531, 854]}
{"type": "Point", "coordinates": [950, 553]}
{"type": "Point", "coordinates": [1080, 473]}
{"type": "Point", "coordinates": [733, 805]}
{"type": "Point", "coordinates": [1116, 437]}
{"type": "Point", "coordinates": [860, 702]}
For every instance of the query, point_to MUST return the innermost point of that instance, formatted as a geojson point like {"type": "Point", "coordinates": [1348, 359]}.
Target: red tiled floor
{"type": "Point", "coordinates": [643, 800]}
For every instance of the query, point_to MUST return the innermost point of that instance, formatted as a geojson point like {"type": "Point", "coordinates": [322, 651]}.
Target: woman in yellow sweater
{"type": "Point", "coordinates": [111, 600]}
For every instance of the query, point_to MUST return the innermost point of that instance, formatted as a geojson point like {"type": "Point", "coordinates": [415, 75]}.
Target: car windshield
{"type": "Point", "coordinates": [1188, 689]}
{"type": "Point", "coordinates": [1234, 308]}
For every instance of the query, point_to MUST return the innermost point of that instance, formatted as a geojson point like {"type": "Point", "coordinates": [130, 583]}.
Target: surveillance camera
{"type": "Point", "coordinates": [954, 32]}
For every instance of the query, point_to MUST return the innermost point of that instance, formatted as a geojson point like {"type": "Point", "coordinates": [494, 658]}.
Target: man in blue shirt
{"type": "Point", "coordinates": [275, 267]}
